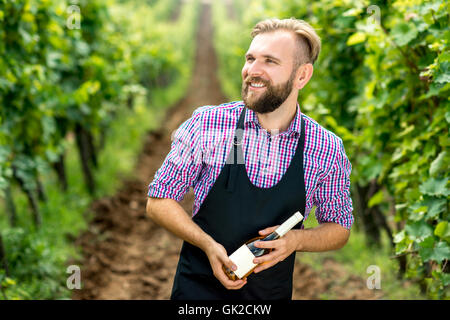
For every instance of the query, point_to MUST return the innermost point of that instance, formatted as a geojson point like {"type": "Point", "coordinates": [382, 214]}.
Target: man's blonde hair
{"type": "Point", "coordinates": [308, 40]}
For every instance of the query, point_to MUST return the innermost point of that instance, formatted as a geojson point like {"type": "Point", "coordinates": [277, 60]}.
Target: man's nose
{"type": "Point", "coordinates": [255, 69]}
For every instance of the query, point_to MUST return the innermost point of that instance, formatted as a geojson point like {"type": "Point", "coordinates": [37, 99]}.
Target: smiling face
{"type": "Point", "coordinates": [268, 74]}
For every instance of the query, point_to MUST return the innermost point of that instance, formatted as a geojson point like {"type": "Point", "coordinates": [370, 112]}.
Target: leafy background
{"type": "Point", "coordinates": [71, 101]}
{"type": "Point", "coordinates": [71, 107]}
{"type": "Point", "coordinates": [382, 84]}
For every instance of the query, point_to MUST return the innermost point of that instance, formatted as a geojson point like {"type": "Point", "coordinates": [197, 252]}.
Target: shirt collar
{"type": "Point", "coordinates": [294, 128]}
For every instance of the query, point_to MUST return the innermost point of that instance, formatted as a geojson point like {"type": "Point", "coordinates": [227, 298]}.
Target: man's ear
{"type": "Point", "coordinates": [304, 73]}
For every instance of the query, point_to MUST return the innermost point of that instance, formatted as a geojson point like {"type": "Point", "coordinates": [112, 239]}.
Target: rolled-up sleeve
{"type": "Point", "coordinates": [333, 199]}
{"type": "Point", "coordinates": [182, 164]}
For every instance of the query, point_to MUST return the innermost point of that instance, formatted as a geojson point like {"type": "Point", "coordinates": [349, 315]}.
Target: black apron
{"type": "Point", "coordinates": [232, 213]}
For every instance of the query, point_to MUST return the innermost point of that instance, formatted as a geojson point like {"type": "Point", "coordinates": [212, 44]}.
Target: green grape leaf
{"type": "Point", "coordinates": [377, 198]}
{"type": "Point", "coordinates": [428, 242]}
{"type": "Point", "coordinates": [356, 38]}
{"type": "Point", "coordinates": [419, 230]}
{"type": "Point", "coordinates": [443, 73]}
{"type": "Point", "coordinates": [442, 230]}
{"type": "Point", "coordinates": [441, 162]}
{"type": "Point", "coordinates": [399, 236]}
{"type": "Point", "coordinates": [438, 253]}
{"type": "Point", "coordinates": [435, 187]}
{"type": "Point", "coordinates": [403, 33]}
{"type": "Point", "coordinates": [434, 206]}
{"type": "Point", "coordinates": [445, 278]}
{"type": "Point", "coordinates": [428, 6]}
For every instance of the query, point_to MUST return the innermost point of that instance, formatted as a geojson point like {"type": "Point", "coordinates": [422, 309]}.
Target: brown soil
{"type": "Point", "coordinates": [128, 256]}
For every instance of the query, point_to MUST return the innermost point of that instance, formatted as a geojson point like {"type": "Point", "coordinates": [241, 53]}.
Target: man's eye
{"type": "Point", "coordinates": [250, 59]}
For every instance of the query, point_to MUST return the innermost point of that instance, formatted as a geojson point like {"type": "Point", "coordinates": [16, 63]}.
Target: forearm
{"type": "Point", "coordinates": [170, 215]}
{"type": "Point", "coordinates": [325, 237]}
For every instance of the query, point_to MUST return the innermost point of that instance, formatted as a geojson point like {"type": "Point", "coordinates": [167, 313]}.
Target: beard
{"type": "Point", "coordinates": [269, 100]}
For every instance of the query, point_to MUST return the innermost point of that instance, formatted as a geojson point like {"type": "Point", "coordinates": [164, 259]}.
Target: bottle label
{"type": "Point", "coordinates": [243, 259]}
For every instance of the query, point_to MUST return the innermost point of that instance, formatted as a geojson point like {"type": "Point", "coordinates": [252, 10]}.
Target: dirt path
{"type": "Point", "coordinates": [127, 256]}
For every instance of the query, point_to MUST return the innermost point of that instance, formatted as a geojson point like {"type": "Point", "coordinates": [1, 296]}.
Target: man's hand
{"type": "Point", "coordinates": [281, 249]}
{"type": "Point", "coordinates": [218, 257]}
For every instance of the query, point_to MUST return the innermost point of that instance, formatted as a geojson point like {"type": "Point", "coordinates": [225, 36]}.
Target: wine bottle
{"type": "Point", "coordinates": [243, 257]}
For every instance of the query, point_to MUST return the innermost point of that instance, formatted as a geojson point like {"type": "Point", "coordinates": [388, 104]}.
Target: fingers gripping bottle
{"type": "Point", "coordinates": [243, 257]}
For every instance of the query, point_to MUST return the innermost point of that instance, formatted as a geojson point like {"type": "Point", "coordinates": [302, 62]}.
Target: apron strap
{"type": "Point", "coordinates": [238, 136]}
{"type": "Point", "coordinates": [236, 157]}
{"type": "Point", "coordinates": [302, 134]}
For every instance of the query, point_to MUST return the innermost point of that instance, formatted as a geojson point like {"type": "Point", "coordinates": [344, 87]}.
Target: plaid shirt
{"type": "Point", "coordinates": [201, 145]}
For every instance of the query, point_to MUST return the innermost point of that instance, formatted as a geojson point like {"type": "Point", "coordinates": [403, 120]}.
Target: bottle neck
{"type": "Point", "coordinates": [289, 224]}
{"type": "Point", "coordinates": [273, 236]}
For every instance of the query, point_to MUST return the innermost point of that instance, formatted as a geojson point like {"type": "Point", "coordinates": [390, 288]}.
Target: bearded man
{"type": "Point", "coordinates": [252, 164]}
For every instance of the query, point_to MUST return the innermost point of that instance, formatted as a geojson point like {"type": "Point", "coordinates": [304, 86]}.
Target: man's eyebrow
{"type": "Point", "coordinates": [265, 56]}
